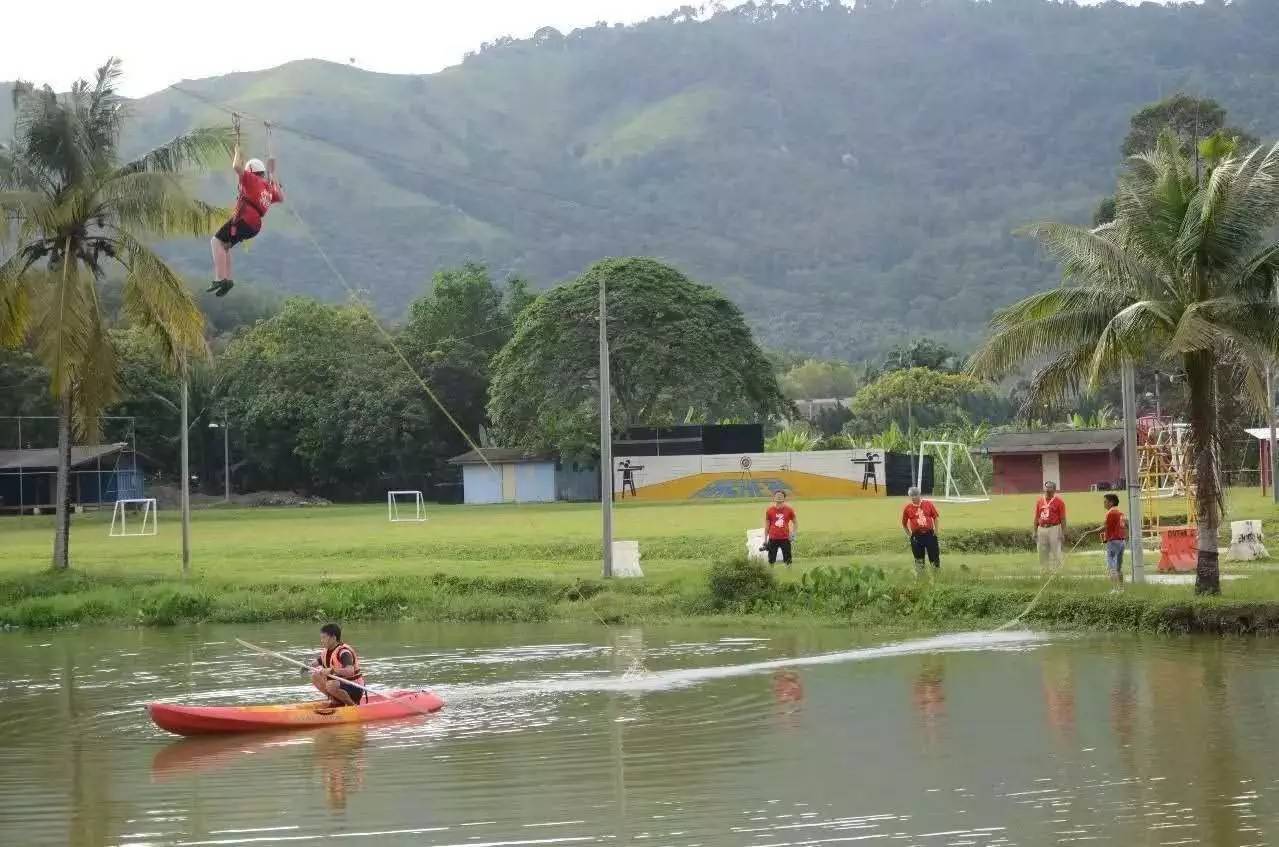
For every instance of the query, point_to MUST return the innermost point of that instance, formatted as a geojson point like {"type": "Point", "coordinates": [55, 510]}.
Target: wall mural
{"type": "Point", "coordinates": [817, 474]}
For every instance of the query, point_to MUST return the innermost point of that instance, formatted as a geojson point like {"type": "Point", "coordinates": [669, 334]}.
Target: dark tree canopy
{"type": "Point", "coordinates": [679, 350]}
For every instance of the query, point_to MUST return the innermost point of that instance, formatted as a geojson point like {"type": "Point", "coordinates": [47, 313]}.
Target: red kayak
{"type": "Point", "coordinates": [204, 720]}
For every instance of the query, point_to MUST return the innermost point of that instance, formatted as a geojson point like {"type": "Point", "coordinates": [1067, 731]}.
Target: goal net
{"type": "Point", "coordinates": [955, 475]}
{"type": "Point", "coordinates": [405, 507]}
{"type": "Point", "coordinates": [133, 517]}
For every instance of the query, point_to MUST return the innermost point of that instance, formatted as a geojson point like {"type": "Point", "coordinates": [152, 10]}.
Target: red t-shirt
{"type": "Point", "coordinates": [920, 519]}
{"type": "Point", "coordinates": [256, 197]}
{"type": "Point", "coordinates": [1050, 512]}
{"type": "Point", "coordinates": [1114, 530]}
{"type": "Point", "coordinates": [779, 519]}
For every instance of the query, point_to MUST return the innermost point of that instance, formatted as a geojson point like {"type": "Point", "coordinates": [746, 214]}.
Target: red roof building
{"type": "Point", "coordinates": [1075, 459]}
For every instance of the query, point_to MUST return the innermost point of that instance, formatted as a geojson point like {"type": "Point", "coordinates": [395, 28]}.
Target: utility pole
{"type": "Point", "coordinates": [606, 437]}
{"type": "Point", "coordinates": [1128, 378]}
{"type": "Point", "coordinates": [1270, 420]}
{"type": "Point", "coordinates": [225, 426]}
{"type": "Point", "coordinates": [186, 477]}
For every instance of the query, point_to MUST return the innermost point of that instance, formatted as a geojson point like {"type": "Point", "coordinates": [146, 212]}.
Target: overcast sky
{"type": "Point", "coordinates": [164, 41]}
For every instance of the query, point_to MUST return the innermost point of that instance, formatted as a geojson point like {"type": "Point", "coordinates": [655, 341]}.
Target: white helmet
{"type": "Point", "coordinates": [255, 165]}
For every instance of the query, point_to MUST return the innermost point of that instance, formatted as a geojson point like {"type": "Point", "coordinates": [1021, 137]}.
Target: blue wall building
{"type": "Point", "coordinates": [518, 476]}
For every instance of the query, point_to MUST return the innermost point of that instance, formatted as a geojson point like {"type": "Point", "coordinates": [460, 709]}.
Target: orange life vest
{"type": "Point", "coordinates": [333, 661]}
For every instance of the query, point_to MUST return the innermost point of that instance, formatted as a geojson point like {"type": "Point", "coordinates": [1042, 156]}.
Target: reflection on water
{"type": "Point", "coordinates": [669, 736]}
{"type": "Point", "coordinates": [929, 698]}
{"type": "Point", "coordinates": [337, 756]}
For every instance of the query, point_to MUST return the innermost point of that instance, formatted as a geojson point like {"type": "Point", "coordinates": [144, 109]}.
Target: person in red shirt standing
{"type": "Point", "coordinates": [780, 526]}
{"type": "Point", "coordinates": [258, 190]}
{"type": "Point", "coordinates": [921, 522]}
{"type": "Point", "coordinates": [1114, 534]}
{"type": "Point", "coordinates": [1050, 526]}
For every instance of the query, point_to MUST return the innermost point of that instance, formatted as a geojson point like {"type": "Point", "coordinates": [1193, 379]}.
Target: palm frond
{"type": "Point", "coordinates": [97, 384]}
{"type": "Point", "coordinates": [104, 108]}
{"type": "Point", "coordinates": [1231, 214]}
{"type": "Point", "coordinates": [199, 148]}
{"type": "Point", "coordinates": [154, 203]}
{"type": "Point", "coordinates": [28, 212]}
{"type": "Point", "coordinates": [1022, 341]}
{"type": "Point", "coordinates": [16, 173]}
{"type": "Point", "coordinates": [1090, 256]}
{"type": "Point", "coordinates": [1060, 379]}
{"type": "Point", "coordinates": [156, 298]}
{"type": "Point", "coordinates": [64, 321]}
{"type": "Point", "coordinates": [15, 302]}
{"type": "Point", "coordinates": [1255, 275]}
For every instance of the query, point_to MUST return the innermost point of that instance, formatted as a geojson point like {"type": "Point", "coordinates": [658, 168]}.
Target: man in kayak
{"type": "Point", "coordinates": [337, 668]}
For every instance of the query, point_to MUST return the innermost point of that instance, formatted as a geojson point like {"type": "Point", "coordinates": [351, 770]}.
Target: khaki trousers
{"type": "Point", "coordinates": [1049, 543]}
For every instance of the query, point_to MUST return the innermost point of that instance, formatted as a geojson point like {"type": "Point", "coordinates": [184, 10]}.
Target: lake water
{"type": "Point", "coordinates": [663, 736]}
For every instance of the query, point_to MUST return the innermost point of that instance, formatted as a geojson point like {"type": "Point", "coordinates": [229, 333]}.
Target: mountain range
{"type": "Point", "coordinates": [852, 177]}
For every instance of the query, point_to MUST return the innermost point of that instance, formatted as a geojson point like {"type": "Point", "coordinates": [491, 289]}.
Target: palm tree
{"type": "Point", "coordinates": [71, 210]}
{"type": "Point", "coordinates": [1186, 272]}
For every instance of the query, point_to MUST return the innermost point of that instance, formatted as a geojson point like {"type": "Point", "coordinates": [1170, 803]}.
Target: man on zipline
{"type": "Point", "coordinates": [258, 190]}
{"type": "Point", "coordinates": [336, 668]}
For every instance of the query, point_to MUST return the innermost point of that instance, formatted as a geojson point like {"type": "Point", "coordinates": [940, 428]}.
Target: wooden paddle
{"type": "Point", "coordinates": [283, 658]}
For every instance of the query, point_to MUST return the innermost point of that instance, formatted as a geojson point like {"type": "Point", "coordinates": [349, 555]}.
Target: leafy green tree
{"type": "Point", "coordinates": [923, 353]}
{"type": "Point", "coordinates": [450, 338]}
{"type": "Point", "coordinates": [1191, 119]}
{"type": "Point", "coordinates": [677, 348]}
{"type": "Point", "coordinates": [24, 386]}
{"type": "Point", "coordinates": [814, 379]}
{"type": "Point", "coordinates": [1199, 125]}
{"type": "Point", "coordinates": [916, 396]}
{"type": "Point", "coordinates": [74, 208]}
{"type": "Point", "coordinates": [1185, 273]}
{"type": "Point", "coordinates": [327, 403]}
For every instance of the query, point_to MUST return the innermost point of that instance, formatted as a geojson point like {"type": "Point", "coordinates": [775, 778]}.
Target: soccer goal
{"type": "Point", "coordinates": [405, 507]}
{"type": "Point", "coordinates": [142, 513]}
{"type": "Point", "coordinates": [953, 465]}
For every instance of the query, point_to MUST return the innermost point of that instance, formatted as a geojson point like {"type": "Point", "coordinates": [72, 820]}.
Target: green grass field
{"type": "Point", "coordinates": [677, 540]}
{"type": "Point", "coordinates": [536, 563]}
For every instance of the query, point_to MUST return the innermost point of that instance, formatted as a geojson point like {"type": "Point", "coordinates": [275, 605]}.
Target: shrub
{"type": "Point", "coordinates": [846, 588]}
{"type": "Point", "coordinates": [738, 582]}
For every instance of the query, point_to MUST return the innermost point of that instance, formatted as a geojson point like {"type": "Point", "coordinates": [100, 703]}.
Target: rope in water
{"type": "Point", "coordinates": [1049, 581]}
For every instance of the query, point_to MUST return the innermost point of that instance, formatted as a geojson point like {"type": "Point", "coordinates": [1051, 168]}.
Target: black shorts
{"type": "Point", "coordinates": [356, 694]}
{"type": "Point", "coordinates": [234, 231]}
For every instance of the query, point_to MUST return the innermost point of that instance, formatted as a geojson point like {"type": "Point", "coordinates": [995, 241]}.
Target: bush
{"type": "Point", "coordinates": [738, 582]}
{"type": "Point", "coordinates": [846, 588]}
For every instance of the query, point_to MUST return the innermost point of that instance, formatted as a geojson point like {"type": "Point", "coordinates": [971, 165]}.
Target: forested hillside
{"type": "Point", "coordinates": [849, 176]}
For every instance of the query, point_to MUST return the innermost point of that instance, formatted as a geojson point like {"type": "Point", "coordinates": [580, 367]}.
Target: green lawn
{"type": "Point", "coordinates": [677, 540]}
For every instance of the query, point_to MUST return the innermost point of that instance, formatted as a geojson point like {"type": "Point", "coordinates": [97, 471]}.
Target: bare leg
{"type": "Point", "coordinates": [221, 260]}
{"type": "Point", "coordinates": [335, 691]}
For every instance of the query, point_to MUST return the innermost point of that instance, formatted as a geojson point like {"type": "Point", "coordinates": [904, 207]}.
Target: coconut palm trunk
{"type": "Point", "coordinates": [62, 489]}
{"type": "Point", "coordinates": [1201, 382]}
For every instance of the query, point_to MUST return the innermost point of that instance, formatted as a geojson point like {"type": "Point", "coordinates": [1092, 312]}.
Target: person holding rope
{"type": "Point", "coordinates": [1114, 535]}
{"type": "Point", "coordinates": [259, 188]}
{"type": "Point", "coordinates": [336, 668]}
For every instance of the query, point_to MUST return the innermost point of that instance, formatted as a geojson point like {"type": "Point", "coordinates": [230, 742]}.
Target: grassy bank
{"type": "Point", "coordinates": [850, 596]}
{"type": "Point", "coordinates": [538, 563]}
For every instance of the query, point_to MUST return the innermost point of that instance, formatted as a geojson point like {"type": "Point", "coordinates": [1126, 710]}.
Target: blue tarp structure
{"type": "Point", "coordinates": [100, 473]}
